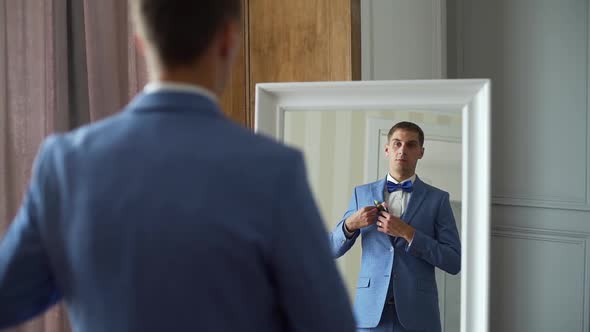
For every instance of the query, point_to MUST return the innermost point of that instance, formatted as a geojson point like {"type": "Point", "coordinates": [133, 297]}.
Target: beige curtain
{"type": "Point", "coordinates": [63, 63]}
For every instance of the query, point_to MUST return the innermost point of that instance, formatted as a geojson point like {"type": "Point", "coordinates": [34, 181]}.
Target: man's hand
{"type": "Point", "coordinates": [394, 226]}
{"type": "Point", "coordinates": [361, 218]}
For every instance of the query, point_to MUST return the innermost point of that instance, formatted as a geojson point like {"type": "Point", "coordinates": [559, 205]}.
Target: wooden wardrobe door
{"type": "Point", "coordinates": [288, 41]}
{"type": "Point", "coordinates": [234, 98]}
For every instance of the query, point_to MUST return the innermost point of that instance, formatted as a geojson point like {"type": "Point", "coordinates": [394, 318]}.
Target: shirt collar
{"type": "Point", "coordinates": [158, 86]}
{"type": "Point", "coordinates": [411, 178]}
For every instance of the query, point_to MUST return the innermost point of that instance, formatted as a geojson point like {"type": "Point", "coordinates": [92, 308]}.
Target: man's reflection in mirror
{"type": "Point", "coordinates": [407, 228]}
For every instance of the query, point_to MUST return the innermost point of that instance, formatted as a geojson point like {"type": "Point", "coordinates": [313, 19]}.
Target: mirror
{"type": "Point", "coordinates": [341, 127]}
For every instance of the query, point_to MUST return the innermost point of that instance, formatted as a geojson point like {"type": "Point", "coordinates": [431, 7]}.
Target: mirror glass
{"type": "Point", "coordinates": [344, 149]}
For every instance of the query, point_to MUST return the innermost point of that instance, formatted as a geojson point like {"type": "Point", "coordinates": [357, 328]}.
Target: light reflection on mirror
{"type": "Point", "coordinates": [344, 149]}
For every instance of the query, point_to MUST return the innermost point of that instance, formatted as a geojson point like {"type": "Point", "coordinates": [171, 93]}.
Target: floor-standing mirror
{"type": "Point", "coordinates": [341, 128]}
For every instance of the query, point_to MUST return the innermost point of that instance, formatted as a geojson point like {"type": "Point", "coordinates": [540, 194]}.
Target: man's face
{"type": "Point", "coordinates": [403, 152]}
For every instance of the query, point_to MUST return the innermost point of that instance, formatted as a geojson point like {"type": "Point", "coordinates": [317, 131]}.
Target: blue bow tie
{"type": "Point", "coordinates": [406, 186]}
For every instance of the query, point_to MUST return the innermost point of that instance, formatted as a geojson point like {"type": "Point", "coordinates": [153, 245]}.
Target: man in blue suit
{"type": "Point", "coordinates": [167, 216]}
{"type": "Point", "coordinates": [401, 245]}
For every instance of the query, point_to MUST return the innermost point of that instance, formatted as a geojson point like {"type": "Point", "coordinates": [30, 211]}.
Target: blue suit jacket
{"type": "Point", "coordinates": [436, 243]}
{"type": "Point", "coordinates": [168, 217]}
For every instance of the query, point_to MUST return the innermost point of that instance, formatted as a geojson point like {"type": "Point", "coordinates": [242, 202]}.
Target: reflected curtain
{"type": "Point", "coordinates": [63, 63]}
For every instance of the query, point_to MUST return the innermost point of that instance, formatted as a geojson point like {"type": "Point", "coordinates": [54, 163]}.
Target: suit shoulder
{"type": "Point", "coordinates": [261, 147]}
{"type": "Point", "coordinates": [435, 190]}
{"type": "Point", "coordinates": [53, 144]}
{"type": "Point", "coordinates": [85, 134]}
{"type": "Point", "coordinates": [368, 187]}
{"type": "Point", "coordinates": [265, 162]}
{"type": "Point", "coordinates": [365, 186]}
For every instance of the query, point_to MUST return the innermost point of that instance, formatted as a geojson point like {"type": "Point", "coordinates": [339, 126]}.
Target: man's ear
{"type": "Point", "coordinates": [386, 149]}
{"type": "Point", "coordinates": [229, 38]}
{"type": "Point", "coordinates": [421, 153]}
{"type": "Point", "coordinates": [139, 44]}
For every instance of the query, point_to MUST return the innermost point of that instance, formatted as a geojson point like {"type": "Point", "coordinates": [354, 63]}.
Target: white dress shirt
{"type": "Point", "coordinates": [158, 86]}
{"type": "Point", "coordinates": [398, 200]}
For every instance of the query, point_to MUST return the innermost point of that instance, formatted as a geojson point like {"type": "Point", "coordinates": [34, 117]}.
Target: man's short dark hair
{"type": "Point", "coordinates": [181, 30]}
{"type": "Point", "coordinates": [410, 126]}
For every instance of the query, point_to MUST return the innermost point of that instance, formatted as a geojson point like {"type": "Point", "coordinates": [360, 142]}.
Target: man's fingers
{"type": "Point", "coordinates": [371, 214]}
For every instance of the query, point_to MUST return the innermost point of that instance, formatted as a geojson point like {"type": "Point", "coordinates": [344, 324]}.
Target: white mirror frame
{"type": "Point", "coordinates": [471, 97]}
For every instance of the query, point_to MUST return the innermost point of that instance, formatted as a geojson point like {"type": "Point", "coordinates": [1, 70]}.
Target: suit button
{"type": "Point", "coordinates": [394, 276]}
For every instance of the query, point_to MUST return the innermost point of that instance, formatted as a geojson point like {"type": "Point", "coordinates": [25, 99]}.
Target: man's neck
{"type": "Point", "coordinates": [401, 177]}
{"type": "Point", "coordinates": [202, 73]}
{"type": "Point", "coordinates": [187, 78]}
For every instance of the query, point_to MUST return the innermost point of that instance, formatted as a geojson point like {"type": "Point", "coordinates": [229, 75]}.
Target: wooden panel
{"type": "Point", "coordinates": [235, 97]}
{"type": "Point", "coordinates": [303, 40]}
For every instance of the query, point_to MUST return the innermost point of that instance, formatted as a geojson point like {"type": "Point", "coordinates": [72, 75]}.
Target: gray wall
{"type": "Point", "coordinates": [536, 53]}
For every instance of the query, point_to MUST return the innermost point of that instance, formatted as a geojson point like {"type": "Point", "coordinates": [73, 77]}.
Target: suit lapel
{"type": "Point", "coordinates": [416, 200]}
{"type": "Point", "coordinates": [377, 189]}
{"type": "Point", "coordinates": [378, 193]}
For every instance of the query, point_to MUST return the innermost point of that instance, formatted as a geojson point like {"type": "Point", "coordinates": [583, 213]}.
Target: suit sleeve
{"type": "Point", "coordinates": [310, 290]}
{"type": "Point", "coordinates": [443, 251]}
{"type": "Point", "coordinates": [27, 287]}
{"type": "Point", "coordinates": [338, 240]}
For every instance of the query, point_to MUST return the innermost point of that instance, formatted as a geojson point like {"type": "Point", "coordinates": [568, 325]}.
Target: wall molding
{"type": "Point", "coordinates": [367, 41]}
{"type": "Point", "coordinates": [514, 200]}
{"type": "Point", "coordinates": [556, 236]}
{"type": "Point", "coordinates": [438, 39]}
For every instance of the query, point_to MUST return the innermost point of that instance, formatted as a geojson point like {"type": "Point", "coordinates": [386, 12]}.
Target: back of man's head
{"type": "Point", "coordinates": [180, 31]}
